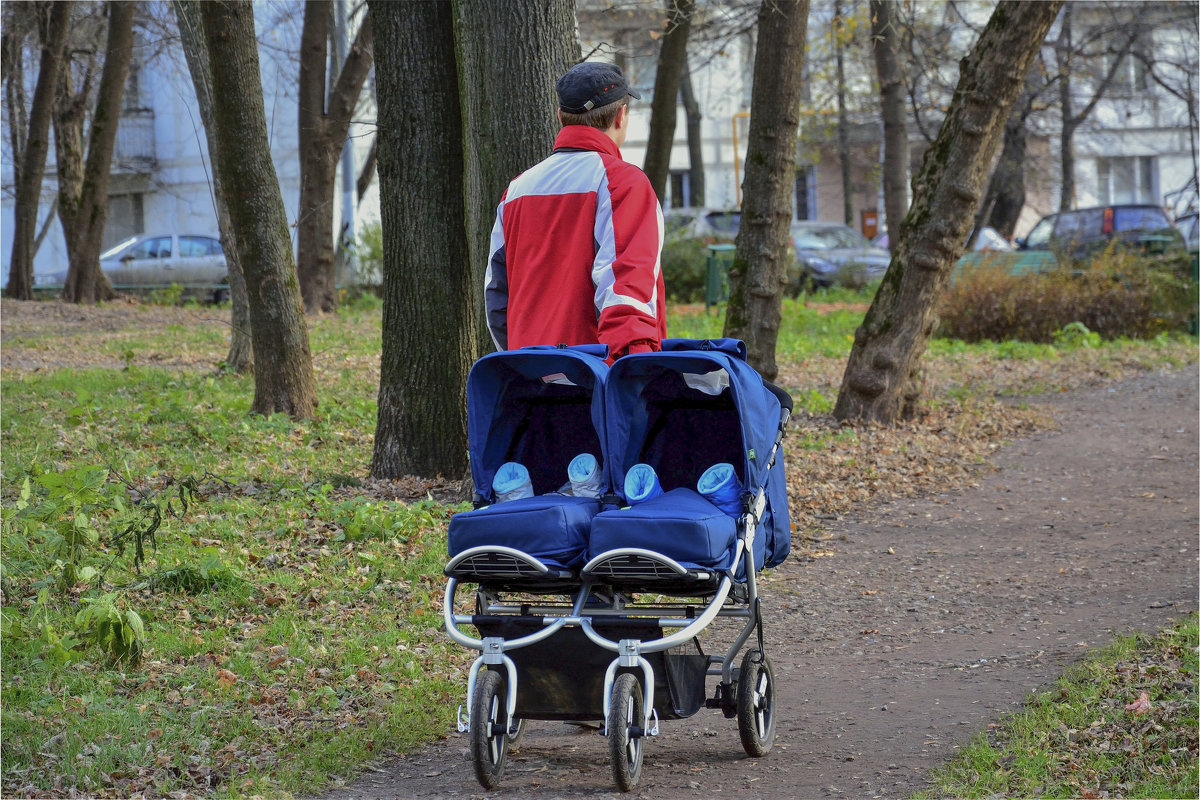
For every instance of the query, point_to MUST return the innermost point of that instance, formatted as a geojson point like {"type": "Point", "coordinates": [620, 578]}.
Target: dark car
{"type": "Point", "coordinates": [830, 254]}
{"type": "Point", "coordinates": [1085, 232]}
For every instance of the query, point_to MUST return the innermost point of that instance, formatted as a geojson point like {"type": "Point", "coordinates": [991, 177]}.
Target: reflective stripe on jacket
{"type": "Point", "coordinates": [575, 252]}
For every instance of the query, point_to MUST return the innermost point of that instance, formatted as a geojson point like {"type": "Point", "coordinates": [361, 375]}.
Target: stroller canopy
{"type": "Point", "coordinates": [537, 406]}
{"type": "Point", "coordinates": [693, 405]}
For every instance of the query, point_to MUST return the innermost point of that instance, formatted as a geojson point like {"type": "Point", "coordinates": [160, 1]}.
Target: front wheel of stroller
{"type": "Point", "coordinates": [756, 703]}
{"type": "Point", "coordinates": [626, 717]}
{"type": "Point", "coordinates": [489, 729]}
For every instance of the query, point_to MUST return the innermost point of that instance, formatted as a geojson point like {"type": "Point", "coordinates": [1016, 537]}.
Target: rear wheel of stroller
{"type": "Point", "coordinates": [489, 728]}
{"type": "Point", "coordinates": [756, 703]}
{"type": "Point", "coordinates": [626, 718]}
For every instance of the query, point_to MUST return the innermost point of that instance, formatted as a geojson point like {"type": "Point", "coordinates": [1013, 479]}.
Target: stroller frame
{"type": "Point", "coordinates": [601, 605]}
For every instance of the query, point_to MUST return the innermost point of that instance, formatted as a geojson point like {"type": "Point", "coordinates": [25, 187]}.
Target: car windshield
{"type": "Point", "coordinates": [117, 248]}
{"type": "Point", "coordinates": [830, 238]}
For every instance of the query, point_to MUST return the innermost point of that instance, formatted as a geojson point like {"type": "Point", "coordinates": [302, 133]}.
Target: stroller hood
{"type": "Point", "coordinates": [539, 407]}
{"type": "Point", "coordinates": [685, 410]}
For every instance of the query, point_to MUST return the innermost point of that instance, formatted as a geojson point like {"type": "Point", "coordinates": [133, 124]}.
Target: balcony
{"type": "Point", "coordinates": [134, 151]}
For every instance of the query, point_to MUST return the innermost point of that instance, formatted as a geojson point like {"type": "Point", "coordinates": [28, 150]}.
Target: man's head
{"type": "Point", "coordinates": [593, 94]}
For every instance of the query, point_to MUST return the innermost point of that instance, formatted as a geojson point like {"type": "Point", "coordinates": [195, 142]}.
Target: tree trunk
{"type": "Point", "coordinates": [1066, 139]}
{"type": "Point", "coordinates": [1006, 191]}
{"type": "Point", "coordinates": [886, 40]}
{"type": "Point", "coordinates": [881, 378]}
{"type": "Point", "coordinates": [85, 282]}
{"type": "Point", "coordinates": [283, 370]}
{"type": "Point", "coordinates": [515, 49]}
{"type": "Point", "coordinates": [428, 330]}
{"type": "Point", "coordinates": [240, 357]}
{"type": "Point", "coordinates": [672, 56]}
{"type": "Point", "coordinates": [322, 135]}
{"type": "Point", "coordinates": [695, 140]}
{"type": "Point", "coordinates": [843, 131]}
{"type": "Point", "coordinates": [32, 161]}
{"type": "Point", "coordinates": [759, 272]}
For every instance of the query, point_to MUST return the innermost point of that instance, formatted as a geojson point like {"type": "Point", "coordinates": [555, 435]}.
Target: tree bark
{"type": "Point", "coordinates": [512, 49]}
{"type": "Point", "coordinates": [695, 140]}
{"type": "Point", "coordinates": [843, 131]}
{"type": "Point", "coordinates": [886, 40]}
{"type": "Point", "coordinates": [428, 328]}
{"type": "Point", "coordinates": [672, 57]}
{"type": "Point", "coordinates": [32, 161]}
{"type": "Point", "coordinates": [322, 134]}
{"type": "Point", "coordinates": [240, 357]}
{"type": "Point", "coordinates": [283, 370]}
{"type": "Point", "coordinates": [758, 273]}
{"type": "Point", "coordinates": [85, 282]}
{"type": "Point", "coordinates": [881, 380]}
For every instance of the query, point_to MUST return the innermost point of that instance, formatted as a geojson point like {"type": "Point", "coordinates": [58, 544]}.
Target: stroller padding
{"type": "Point", "coordinates": [551, 528]}
{"type": "Point", "coordinates": [680, 524]}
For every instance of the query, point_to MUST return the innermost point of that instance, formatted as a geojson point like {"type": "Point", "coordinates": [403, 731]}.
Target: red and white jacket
{"type": "Point", "coordinates": [575, 252]}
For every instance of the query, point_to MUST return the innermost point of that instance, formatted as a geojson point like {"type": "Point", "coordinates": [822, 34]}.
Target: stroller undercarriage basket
{"type": "Point", "coordinates": [592, 609]}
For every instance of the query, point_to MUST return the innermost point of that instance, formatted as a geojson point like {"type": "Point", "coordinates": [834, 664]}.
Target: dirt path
{"type": "Point", "coordinates": [927, 620]}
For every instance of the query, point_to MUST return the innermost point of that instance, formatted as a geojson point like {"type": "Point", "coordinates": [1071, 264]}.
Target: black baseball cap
{"type": "Point", "coordinates": [590, 85]}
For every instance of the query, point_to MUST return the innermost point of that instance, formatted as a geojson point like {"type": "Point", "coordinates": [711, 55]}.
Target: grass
{"type": "Point", "coordinates": [291, 607]}
{"type": "Point", "coordinates": [1122, 724]}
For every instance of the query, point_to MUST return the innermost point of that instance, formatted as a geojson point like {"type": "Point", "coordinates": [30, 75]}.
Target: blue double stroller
{"type": "Point", "coordinates": [619, 513]}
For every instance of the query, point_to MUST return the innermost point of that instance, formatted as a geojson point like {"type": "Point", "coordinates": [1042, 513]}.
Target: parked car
{"type": "Point", "coordinates": [988, 240]}
{"type": "Point", "coordinates": [151, 261]}
{"type": "Point", "coordinates": [1084, 232]}
{"type": "Point", "coordinates": [830, 254]}
{"type": "Point", "coordinates": [711, 225]}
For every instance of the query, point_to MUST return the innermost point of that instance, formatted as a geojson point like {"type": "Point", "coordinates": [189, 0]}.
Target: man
{"type": "Point", "coordinates": [575, 249]}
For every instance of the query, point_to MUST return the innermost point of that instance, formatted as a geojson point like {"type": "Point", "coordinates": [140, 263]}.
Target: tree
{"type": "Point", "coordinates": [758, 273]}
{"type": "Point", "coordinates": [839, 32]}
{"type": "Point", "coordinates": [429, 332]}
{"type": "Point", "coordinates": [672, 59]}
{"type": "Point", "coordinates": [83, 192]}
{"type": "Point", "coordinates": [514, 50]}
{"type": "Point", "coordinates": [324, 120]}
{"type": "Point", "coordinates": [1001, 207]}
{"type": "Point", "coordinates": [459, 116]}
{"type": "Point", "coordinates": [695, 142]}
{"type": "Point", "coordinates": [191, 33]}
{"type": "Point", "coordinates": [31, 163]}
{"type": "Point", "coordinates": [283, 370]}
{"type": "Point", "coordinates": [885, 37]}
{"type": "Point", "coordinates": [880, 382]}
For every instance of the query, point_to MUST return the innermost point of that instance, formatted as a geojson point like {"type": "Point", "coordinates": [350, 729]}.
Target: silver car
{"type": "Point", "coordinates": [152, 261]}
{"type": "Point", "coordinates": [828, 253]}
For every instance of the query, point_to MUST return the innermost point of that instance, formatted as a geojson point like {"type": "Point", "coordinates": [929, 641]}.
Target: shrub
{"type": "Point", "coordinates": [1116, 295]}
{"type": "Point", "coordinates": [684, 264]}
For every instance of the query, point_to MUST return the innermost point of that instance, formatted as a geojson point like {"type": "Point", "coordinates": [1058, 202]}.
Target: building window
{"type": "Point", "coordinates": [806, 193]}
{"type": "Point", "coordinates": [1131, 76]}
{"type": "Point", "coordinates": [681, 189]}
{"type": "Point", "coordinates": [126, 217]}
{"type": "Point", "coordinates": [1127, 180]}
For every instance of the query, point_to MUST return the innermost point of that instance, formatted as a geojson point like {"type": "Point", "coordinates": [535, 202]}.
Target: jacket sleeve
{"type": "Point", "coordinates": [627, 272]}
{"type": "Point", "coordinates": [495, 284]}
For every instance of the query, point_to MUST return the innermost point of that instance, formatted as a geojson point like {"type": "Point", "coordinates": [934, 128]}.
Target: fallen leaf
{"type": "Point", "coordinates": [226, 678]}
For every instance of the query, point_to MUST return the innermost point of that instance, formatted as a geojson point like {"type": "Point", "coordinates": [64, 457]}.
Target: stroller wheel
{"type": "Point", "coordinates": [626, 717]}
{"type": "Point", "coordinates": [489, 729]}
{"type": "Point", "coordinates": [756, 703]}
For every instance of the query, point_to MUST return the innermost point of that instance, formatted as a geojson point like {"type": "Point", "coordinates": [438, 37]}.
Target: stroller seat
{"type": "Point", "coordinates": [548, 530]}
{"type": "Point", "coordinates": [537, 407]}
{"type": "Point", "coordinates": [680, 524]}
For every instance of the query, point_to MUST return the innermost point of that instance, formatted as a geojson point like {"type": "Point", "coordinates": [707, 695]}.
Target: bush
{"type": "Point", "coordinates": [683, 264]}
{"type": "Point", "coordinates": [1116, 295]}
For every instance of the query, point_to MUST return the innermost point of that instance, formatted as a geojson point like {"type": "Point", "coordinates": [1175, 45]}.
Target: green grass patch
{"type": "Point", "coordinates": [289, 617]}
{"type": "Point", "coordinates": [1121, 724]}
